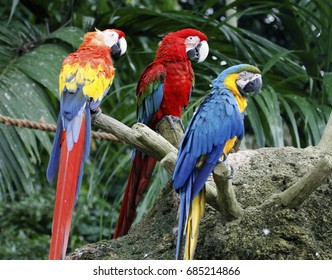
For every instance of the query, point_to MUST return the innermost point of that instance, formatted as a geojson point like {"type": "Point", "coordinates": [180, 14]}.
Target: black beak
{"type": "Point", "coordinates": [252, 87]}
{"type": "Point", "coordinates": [193, 54]}
{"type": "Point", "coordinates": [116, 50]}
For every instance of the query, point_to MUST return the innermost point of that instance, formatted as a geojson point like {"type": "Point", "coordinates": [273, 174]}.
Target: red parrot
{"type": "Point", "coordinates": [85, 78]}
{"type": "Point", "coordinates": [163, 90]}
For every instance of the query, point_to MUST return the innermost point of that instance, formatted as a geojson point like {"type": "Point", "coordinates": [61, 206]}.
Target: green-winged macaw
{"type": "Point", "coordinates": [163, 90]}
{"type": "Point", "coordinates": [212, 132]}
{"type": "Point", "coordinates": [85, 78]}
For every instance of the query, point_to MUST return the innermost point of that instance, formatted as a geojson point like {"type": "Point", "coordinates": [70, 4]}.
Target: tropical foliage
{"type": "Point", "coordinates": [290, 41]}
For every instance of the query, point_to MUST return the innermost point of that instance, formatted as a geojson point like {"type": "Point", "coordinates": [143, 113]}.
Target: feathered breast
{"type": "Point", "coordinates": [90, 70]}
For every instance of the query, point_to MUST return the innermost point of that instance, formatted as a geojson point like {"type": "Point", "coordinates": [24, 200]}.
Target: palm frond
{"type": "Point", "coordinates": [29, 72]}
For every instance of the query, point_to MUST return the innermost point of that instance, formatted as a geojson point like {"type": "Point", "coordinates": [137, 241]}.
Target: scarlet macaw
{"type": "Point", "coordinates": [163, 90]}
{"type": "Point", "coordinates": [212, 131]}
{"type": "Point", "coordinates": [85, 78]}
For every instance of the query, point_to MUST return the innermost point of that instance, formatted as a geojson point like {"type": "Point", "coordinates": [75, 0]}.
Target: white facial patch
{"type": "Point", "coordinates": [110, 38]}
{"type": "Point", "coordinates": [191, 42]}
{"type": "Point", "coordinates": [245, 77]}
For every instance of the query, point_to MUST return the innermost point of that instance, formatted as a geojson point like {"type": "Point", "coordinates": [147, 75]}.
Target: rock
{"type": "Point", "coordinates": [266, 231]}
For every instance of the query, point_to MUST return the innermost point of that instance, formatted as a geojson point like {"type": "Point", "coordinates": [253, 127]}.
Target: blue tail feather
{"type": "Point", "coordinates": [53, 164]}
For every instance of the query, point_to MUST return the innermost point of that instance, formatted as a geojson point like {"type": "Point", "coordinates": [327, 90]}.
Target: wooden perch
{"type": "Point", "coordinates": [325, 143]}
{"type": "Point", "coordinates": [226, 199]}
{"type": "Point", "coordinates": [295, 195]}
{"type": "Point", "coordinates": [140, 136]}
{"type": "Point", "coordinates": [152, 143]}
{"type": "Point", "coordinates": [219, 191]}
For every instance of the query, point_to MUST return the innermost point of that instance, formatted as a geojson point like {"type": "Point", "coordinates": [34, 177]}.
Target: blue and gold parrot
{"type": "Point", "coordinates": [211, 133]}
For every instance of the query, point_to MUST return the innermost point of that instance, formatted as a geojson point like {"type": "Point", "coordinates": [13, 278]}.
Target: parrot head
{"type": "Point", "coordinates": [249, 82]}
{"type": "Point", "coordinates": [187, 43]}
{"type": "Point", "coordinates": [112, 38]}
{"type": "Point", "coordinates": [242, 79]}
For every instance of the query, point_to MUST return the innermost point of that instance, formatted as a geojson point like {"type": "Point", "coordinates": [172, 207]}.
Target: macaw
{"type": "Point", "coordinates": [85, 78]}
{"type": "Point", "coordinates": [164, 89]}
{"type": "Point", "coordinates": [210, 135]}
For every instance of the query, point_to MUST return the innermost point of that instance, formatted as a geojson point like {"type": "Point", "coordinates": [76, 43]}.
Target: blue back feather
{"type": "Point", "coordinates": [150, 105]}
{"type": "Point", "coordinates": [72, 106]}
{"type": "Point", "coordinates": [217, 120]}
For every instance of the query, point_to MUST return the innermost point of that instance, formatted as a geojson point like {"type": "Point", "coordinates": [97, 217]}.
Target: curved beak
{"type": "Point", "coordinates": [199, 53]}
{"type": "Point", "coordinates": [120, 47]}
{"type": "Point", "coordinates": [250, 86]}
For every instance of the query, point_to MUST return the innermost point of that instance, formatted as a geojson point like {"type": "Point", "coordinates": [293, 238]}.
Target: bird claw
{"type": "Point", "coordinates": [223, 157]}
{"type": "Point", "coordinates": [171, 120]}
{"type": "Point", "coordinates": [95, 113]}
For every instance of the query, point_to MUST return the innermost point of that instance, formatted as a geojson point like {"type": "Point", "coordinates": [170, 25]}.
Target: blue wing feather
{"type": "Point", "coordinates": [150, 92]}
{"type": "Point", "coordinates": [53, 164]}
{"type": "Point", "coordinates": [72, 106]}
{"type": "Point", "coordinates": [150, 105]}
{"type": "Point", "coordinates": [216, 121]}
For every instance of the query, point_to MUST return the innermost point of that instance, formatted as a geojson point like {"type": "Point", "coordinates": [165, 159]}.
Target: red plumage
{"type": "Point", "coordinates": [69, 169]}
{"type": "Point", "coordinates": [85, 78]}
{"type": "Point", "coordinates": [163, 89]}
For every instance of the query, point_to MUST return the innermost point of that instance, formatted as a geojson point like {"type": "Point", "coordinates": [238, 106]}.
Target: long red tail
{"type": "Point", "coordinates": [138, 182]}
{"type": "Point", "coordinates": [68, 177]}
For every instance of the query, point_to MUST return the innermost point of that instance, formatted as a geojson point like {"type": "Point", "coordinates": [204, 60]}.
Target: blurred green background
{"type": "Point", "coordinates": [290, 41]}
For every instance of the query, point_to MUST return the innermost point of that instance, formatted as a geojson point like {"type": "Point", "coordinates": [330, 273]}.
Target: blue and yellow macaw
{"type": "Point", "coordinates": [212, 132]}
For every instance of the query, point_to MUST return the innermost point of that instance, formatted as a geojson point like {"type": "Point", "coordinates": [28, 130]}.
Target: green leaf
{"type": "Point", "coordinates": [70, 35]}
{"type": "Point", "coordinates": [327, 81]}
{"type": "Point", "coordinates": [12, 11]}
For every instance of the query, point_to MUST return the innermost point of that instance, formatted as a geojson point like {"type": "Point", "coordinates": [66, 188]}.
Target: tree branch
{"type": "Point", "coordinates": [152, 143]}
{"type": "Point", "coordinates": [295, 195]}
{"type": "Point", "coordinates": [226, 199]}
{"type": "Point", "coordinates": [325, 143]}
{"type": "Point", "coordinates": [140, 136]}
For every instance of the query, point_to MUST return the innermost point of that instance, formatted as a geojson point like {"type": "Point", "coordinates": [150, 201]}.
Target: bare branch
{"type": "Point", "coordinates": [325, 143]}
{"type": "Point", "coordinates": [140, 136]}
{"type": "Point", "coordinates": [226, 199]}
{"type": "Point", "coordinates": [152, 143]}
{"type": "Point", "coordinates": [295, 195]}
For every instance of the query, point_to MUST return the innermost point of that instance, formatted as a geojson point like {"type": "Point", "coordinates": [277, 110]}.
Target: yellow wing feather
{"type": "Point", "coordinates": [93, 80]}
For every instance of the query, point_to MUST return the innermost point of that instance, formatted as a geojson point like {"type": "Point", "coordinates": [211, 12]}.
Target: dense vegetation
{"type": "Point", "coordinates": [290, 41]}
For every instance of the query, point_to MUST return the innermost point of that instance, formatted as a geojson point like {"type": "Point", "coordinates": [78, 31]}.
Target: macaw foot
{"type": "Point", "coordinates": [222, 158]}
{"type": "Point", "coordinates": [236, 147]}
{"type": "Point", "coordinates": [172, 120]}
{"type": "Point", "coordinates": [95, 113]}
